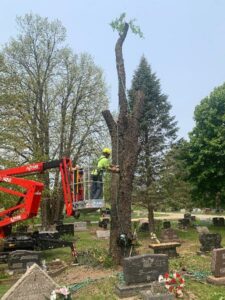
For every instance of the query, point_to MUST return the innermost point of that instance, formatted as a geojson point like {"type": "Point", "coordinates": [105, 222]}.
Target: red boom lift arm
{"type": "Point", "coordinates": [29, 200]}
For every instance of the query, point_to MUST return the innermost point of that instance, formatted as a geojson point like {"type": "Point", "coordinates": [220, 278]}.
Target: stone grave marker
{"type": "Point", "coordinates": [166, 224]}
{"type": "Point", "coordinates": [35, 284]}
{"type": "Point", "coordinates": [103, 234]}
{"type": "Point", "coordinates": [169, 235]}
{"type": "Point", "coordinates": [65, 228]}
{"type": "Point", "coordinates": [219, 222]}
{"type": "Point", "coordinates": [144, 226]}
{"type": "Point", "coordinates": [217, 267]}
{"type": "Point", "coordinates": [144, 268]}
{"type": "Point", "coordinates": [80, 226]}
{"type": "Point", "coordinates": [140, 272]}
{"type": "Point", "coordinates": [184, 223]}
{"type": "Point", "coordinates": [210, 241]}
{"type": "Point", "coordinates": [202, 229]}
{"type": "Point", "coordinates": [19, 260]}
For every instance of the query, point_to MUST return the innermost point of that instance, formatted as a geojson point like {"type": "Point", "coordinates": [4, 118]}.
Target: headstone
{"type": "Point", "coordinates": [202, 229]}
{"type": "Point", "coordinates": [210, 241]}
{"type": "Point", "coordinates": [166, 224]}
{"type": "Point", "coordinates": [217, 267]}
{"type": "Point", "coordinates": [144, 268]}
{"type": "Point", "coordinates": [65, 228]}
{"type": "Point", "coordinates": [80, 226]}
{"type": "Point", "coordinates": [219, 222]}
{"type": "Point", "coordinates": [19, 260]}
{"type": "Point", "coordinates": [103, 234]}
{"type": "Point", "coordinates": [144, 226]}
{"type": "Point", "coordinates": [35, 284]}
{"type": "Point", "coordinates": [187, 215]}
{"type": "Point", "coordinates": [184, 223]}
{"type": "Point", "coordinates": [169, 235]}
{"type": "Point", "coordinates": [218, 262]}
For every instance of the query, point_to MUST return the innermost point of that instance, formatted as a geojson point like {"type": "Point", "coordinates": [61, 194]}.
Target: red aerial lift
{"type": "Point", "coordinates": [29, 193]}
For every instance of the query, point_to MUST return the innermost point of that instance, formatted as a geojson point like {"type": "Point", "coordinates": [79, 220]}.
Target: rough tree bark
{"type": "Point", "coordinates": [125, 148]}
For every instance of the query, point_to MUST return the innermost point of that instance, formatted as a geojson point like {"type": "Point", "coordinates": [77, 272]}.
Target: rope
{"type": "Point", "coordinates": [77, 286]}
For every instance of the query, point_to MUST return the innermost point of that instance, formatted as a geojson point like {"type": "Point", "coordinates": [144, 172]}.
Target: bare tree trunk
{"type": "Point", "coordinates": [125, 148]}
{"type": "Point", "coordinates": [151, 222]}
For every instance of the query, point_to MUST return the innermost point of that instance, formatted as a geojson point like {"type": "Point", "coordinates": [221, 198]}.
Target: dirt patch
{"type": "Point", "coordinates": [77, 274]}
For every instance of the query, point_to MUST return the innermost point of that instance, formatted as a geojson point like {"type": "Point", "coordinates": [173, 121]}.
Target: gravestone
{"type": "Point", "coordinates": [80, 226]}
{"type": "Point", "coordinates": [140, 272]}
{"type": "Point", "coordinates": [19, 260]}
{"type": "Point", "coordinates": [210, 241]}
{"type": "Point", "coordinates": [184, 223]}
{"type": "Point", "coordinates": [35, 284]}
{"type": "Point", "coordinates": [169, 235]}
{"type": "Point", "coordinates": [144, 226]}
{"type": "Point", "coordinates": [144, 268]}
{"type": "Point", "coordinates": [65, 228]}
{"type": "Point", "coordinates": [166, 224]}
{"type": "Point", "coordinates": [218, 262]}
{"type": "Point", "coordinates": [219, 222]}
{"type": "Point", "coordinates": [103, 234]}
{"type": "Point", "coordinates": [217, 267]}
{"type": "Point", "coordinates": [202, 229]}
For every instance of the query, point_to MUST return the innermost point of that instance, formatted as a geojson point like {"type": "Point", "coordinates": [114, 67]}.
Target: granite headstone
{"type": "Point", "coordinates": [19, 260]}
{"type": "Point", "coordinates": [144, 268]}
{"type": "Point", "coordinates": [218, 262]}
{"type": "Point", "coordinates": [169, 235]}
{"type": "Point", "coordinates": [210, 241]}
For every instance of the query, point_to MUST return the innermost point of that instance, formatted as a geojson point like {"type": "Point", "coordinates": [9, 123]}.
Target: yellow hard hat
{"type": "Point", "coordinates": [106, 150]}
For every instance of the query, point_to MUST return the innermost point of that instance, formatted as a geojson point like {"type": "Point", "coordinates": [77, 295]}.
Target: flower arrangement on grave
{"type": "Point", "coordinates": [174, 283]}
{"type": "Point", "coordinates": [60, 294]}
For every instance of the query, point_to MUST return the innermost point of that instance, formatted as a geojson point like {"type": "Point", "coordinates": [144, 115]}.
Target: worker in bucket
{"type": "Point", "coordinates": [103, 165]}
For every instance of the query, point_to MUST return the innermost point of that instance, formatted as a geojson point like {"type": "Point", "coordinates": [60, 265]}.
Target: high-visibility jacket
{"type": "Point", "coordinates": [103, 164]}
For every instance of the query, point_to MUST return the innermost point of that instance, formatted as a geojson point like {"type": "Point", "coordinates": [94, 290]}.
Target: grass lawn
{"type": "Point", "coordinates": [102, 275]}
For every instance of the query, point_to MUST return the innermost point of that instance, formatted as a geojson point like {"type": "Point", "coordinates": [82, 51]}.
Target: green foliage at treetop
{"type": "Point", "coordinates": [119, 23]}
{"type": "Point", "coordinates": [206, 149]}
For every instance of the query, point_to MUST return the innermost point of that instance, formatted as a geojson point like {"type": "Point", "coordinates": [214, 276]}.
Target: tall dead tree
{"type": "Point", "coordinates": [125, 148]}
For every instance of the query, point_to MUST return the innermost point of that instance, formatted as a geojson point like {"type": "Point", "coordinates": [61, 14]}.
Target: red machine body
{"type": "Point", "coordinates": [30, 197]}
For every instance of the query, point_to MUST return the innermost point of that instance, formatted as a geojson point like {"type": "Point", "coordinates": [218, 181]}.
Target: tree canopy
{"type": "Point", "coordinates": [206, 150]}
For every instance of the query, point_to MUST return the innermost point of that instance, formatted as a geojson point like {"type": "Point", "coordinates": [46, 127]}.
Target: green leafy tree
{"type": "Point", "coordinates": [158, 131]}
{"type": "Point", "coordinates": [206, 150]}
{"type": "Point", "coordinates": [175, 188]}
{"type": "Point", "coordinates": [50, 102]}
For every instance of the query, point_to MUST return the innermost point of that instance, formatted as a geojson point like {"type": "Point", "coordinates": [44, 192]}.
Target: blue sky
{"type": "Point", "coordinates": [184, 42]}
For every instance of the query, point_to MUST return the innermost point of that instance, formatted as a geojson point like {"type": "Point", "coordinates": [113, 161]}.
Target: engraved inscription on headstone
{"type": "Point", "coordinates": [210, 241]}
{"type": "Point", "coordinates": [21, 259]}
{"type": "Point", "coordinates": [169, 235]}
{"type": "Point", "coordinates": [144, 268]}
{"type": "Point", "coordinates": [218, 262]}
